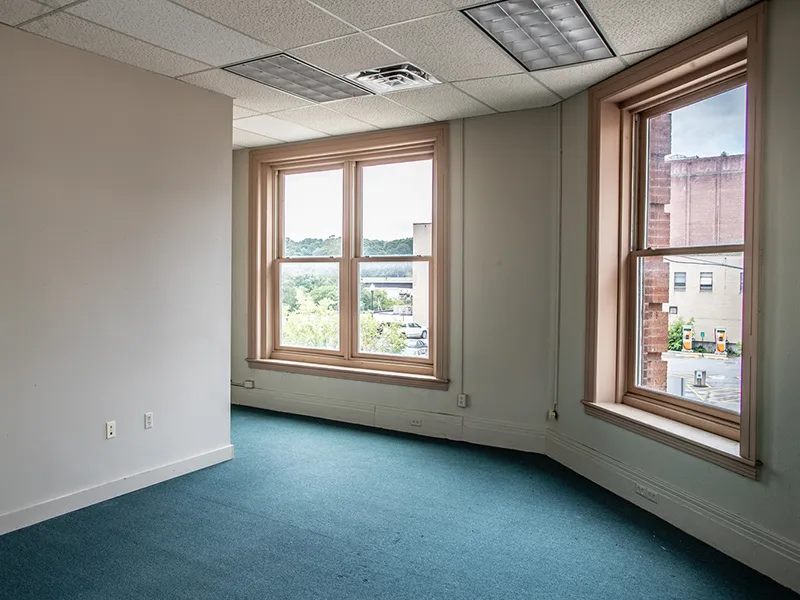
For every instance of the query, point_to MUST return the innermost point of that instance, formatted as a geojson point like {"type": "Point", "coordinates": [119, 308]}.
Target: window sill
{"type": "Point", "coordinates": [704, 445]}
{"type": "Point", "coordinates": [372, 376]}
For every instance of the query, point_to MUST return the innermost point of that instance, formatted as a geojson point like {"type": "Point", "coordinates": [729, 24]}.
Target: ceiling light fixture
{"type": "Point", "coordinates": [392, 78]}
{"type": "Point", "coordinates": [540, 34]}
{"type": "Point", "coordinates": [294, 76]}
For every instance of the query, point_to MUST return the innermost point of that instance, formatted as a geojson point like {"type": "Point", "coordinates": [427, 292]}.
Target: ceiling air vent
{"type": "Point", "coordinates": [541, 34]}
{"type": "Point", "coordinates": [393, 78]}
{"type": "Point", "coordinates": [294, 76]}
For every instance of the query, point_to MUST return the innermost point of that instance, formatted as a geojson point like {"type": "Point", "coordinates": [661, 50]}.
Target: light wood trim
{"type": "Point", "coordinates": [695, 95]}
{"type": "Point", "coordinates": [715, 449]}
{"type": "Point", "coordinates": [689, 250]}
{"type": "Point", "coordinates": [709, 60]}
{"type": "Point", "coordinates": [723, 69]}
{"type": "Point", "coordinates": [369, 375]}
{"type": "Point", "coordinates": [753, 183]}
{"type": "Point", "coordinates": [404, 145]}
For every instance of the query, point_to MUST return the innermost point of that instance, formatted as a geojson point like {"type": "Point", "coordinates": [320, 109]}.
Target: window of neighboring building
{"type": "Point", "coordinates": [674, 167]}
{"type": "Point", "coordinates": [347, 259]}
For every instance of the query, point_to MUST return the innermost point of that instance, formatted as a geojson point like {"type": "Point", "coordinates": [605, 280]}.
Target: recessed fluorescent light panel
{"type": "Point", "coordinates": [394, 77]}
{"type": "Point", "coordinates": [291, 75]}
{"type": "Point", "coordinates": [541, 34]}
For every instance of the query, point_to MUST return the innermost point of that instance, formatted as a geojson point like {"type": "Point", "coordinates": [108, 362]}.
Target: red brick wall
{"type": "Point", "coordinates": [707, 200]}
{"type": "Point", "coordinates": [656, 272]}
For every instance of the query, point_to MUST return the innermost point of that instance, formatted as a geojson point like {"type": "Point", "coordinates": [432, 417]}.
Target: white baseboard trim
{"type": "Point", "coordinates": [500, 434]}
{"type": "Point", "coordinates": [751, 544]}
{"type": "Point", "coordinates": [64, 504]}
{"type": "Point", "coordinates": [485, 432]}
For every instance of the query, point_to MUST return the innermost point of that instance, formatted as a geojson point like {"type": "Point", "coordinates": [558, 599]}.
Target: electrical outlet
{"type": "Point", "coordinates": [111, 429]}
{"type": "Point", "coordinates": [148, 420]}
{"type": "Point", "coordinates": [462, 401]}
{"type": "Point", "coordinates": [416, 422]}
{"type": "Point", "coordinates": [249, 384]}
{"type": "Point", "coordinates": [646, 492]}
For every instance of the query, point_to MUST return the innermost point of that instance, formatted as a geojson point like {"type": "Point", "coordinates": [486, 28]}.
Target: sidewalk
{"type": "Point", "coordinates": [672, 353]}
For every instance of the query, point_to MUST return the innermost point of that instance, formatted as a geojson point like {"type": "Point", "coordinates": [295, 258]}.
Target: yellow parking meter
{"type": "Point", "coordinates": [721, 336]}
{"type": "Point", "coordinates": [687, 338]}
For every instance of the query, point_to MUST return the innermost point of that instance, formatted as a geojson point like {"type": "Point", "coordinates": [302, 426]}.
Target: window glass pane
{"type": "Point", "coordinates": [680, 281]}
{"type": "Point", "coordinates": [689, 343]}
{"type": "Point", "coordinates": [397, 209]}
{"type": "Point", "coordinates": [312, 213]}
{"type": "Point", "coordinates": [309, 305]}
{"type": "Point", "coordinates": [393, 309]}
{"type": "Point", "coordinates": [695, 173]}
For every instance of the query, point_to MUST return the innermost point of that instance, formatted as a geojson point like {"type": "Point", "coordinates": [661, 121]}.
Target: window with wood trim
{"type": "Point", "coordinates": [348, 257]}
{"type": "Point", "coordinates": [673, 198]}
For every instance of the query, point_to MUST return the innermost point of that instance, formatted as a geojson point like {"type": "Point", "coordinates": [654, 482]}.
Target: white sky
{"type": "Point", "coordinates": [395, 197]}
{"type": "Point", "coordinates": [712, 126]}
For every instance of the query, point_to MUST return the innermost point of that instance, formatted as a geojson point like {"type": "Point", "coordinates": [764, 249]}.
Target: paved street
{"type": "Point", "coordinates": [723, 379]}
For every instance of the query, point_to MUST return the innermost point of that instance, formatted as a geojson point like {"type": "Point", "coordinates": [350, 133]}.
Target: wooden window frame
{"type": "Point", "coordinates": [728, 52]}
{"type": "Point", "coordinates": [352, 154]}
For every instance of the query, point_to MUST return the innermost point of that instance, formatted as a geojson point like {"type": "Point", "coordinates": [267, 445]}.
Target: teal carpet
{"type": "Point", "coordinates": [310, 509]}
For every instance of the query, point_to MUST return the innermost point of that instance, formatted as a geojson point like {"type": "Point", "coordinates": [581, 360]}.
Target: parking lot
{"type": "Point", "coordinates": [723, 378]}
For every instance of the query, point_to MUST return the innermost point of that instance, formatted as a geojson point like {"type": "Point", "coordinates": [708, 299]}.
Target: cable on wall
{"type": "Point", "coordinates": [553, 413]}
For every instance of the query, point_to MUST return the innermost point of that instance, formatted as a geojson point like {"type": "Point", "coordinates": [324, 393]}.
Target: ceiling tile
{"type": "Point", "coordinates": [734, 6]}
{"type": "Point", "coordinates": [568, 81]}
{"type": "Point", "coordinates": [378, 111]}
{"type": "Point", "coordinates": [632, 59]}
{"type": "Point", "coordinates": [466, 3]}
{"type": "Point", "coordinates": [281, 23]}
{"type": "Point", "coordinates": [173, 28]}
{"type": "Point", "coordinates": [14, 12]}
{"type": "Point", "coordinates": [635, 25]}
{"type": "Point", "coordinates": [248, 139]}
{"type": "Point", "coordinates": [94, 38]}
{"type": "Point", "coordinates": [248, 94]}
{"type": "Point", "coordinates": [440, 102]}
{"type": "Point", "coordinates": [240, 112]}
{"type": "Point", "coordinates": [56, 3]}
{"type": "Point", "coordinates": [449, 46]}
{"type": "Point", "coordinates": [348, 54]}
{"type": "Point", "coordinates": [324, 120]}
{"type": "Point", "coordinates": [510, 92]}
{"type": "Point", "coordinates": [278, 129]}
{"type": "Point", "coordinates": [375, 13]}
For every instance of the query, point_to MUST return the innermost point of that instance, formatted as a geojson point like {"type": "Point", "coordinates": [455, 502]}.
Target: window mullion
{"type": "Point", "coordinates": [348, 303]}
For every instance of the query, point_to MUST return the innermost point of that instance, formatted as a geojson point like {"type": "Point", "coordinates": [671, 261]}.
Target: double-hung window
{"type": "Point", "coordinates": [348, 256]}
{"type": "Point", "coordinates": [674, 194]}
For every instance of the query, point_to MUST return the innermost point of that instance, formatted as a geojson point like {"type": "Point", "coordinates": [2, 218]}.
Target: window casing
{"type": "Point", "coordinates": [721, 58]}
{"type": "Point", "coordinates": [680, 281]}
{"type": "Point", "coordinates": [706, 281]}
{"type": "Point", "coordinates": [277, 260]}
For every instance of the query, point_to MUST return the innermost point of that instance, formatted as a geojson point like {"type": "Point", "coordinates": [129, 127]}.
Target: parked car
{"type": "Point", "coordinates": [416, 347]}
{"type": "Point", "coordinates": [414, 330]}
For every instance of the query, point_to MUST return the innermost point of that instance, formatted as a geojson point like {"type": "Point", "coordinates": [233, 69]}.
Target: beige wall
{"type": "Point", "coordinates": [503, 181]}
{"type": "Point", "coordinates": [115, 274]}
{"type": "Point", "coordinates": [772, 503]}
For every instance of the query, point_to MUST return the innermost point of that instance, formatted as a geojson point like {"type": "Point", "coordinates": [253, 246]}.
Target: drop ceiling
{"type": "Point", "coordinates": [192, 39]}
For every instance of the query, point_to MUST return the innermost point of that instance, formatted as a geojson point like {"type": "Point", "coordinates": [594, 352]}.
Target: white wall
{"type": "Point", "coordinates": [770, 505]}
{"type": "Point", "coordinates": [503, 182]}
{"type": "Point", "coordinates": [115, 254]}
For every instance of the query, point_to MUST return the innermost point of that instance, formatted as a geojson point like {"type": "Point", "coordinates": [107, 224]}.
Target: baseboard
{"type": "Point", "coordinates": [751, 544]}
{"type": "Point", "coordinates": [500, 434]}
{"type": "Point", "coordinates": [485, 432]}
{"type": "Point", "coordinates": [58, 506]}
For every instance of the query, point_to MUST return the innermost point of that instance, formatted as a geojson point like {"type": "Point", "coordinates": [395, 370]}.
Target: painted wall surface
{"type": "Point", "coordinates": [772, 502]}
{"type": "Point", "coordinates": [503, 186]}
{"type": "Point", "coordinates": [115, 240]}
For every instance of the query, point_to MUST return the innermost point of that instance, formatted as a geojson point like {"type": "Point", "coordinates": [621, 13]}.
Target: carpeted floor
{"type": "Point", "coordinates": [310, 509]}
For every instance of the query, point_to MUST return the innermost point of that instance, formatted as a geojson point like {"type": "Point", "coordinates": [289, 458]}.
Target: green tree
{"type": "Point", "coordinates": [312, 324]}
{"type": "Point", "coordinates": [380, 337]}
{"type": "Point", "coordinates": [675, 333]}
{"type": "Point", "coordinates": [377, 300]}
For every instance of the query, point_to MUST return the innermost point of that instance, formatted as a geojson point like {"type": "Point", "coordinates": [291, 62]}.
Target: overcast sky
{"type": "Point", "coordinates": [395, 197]}
{"type": "Point", "coordinates": [712, 126]}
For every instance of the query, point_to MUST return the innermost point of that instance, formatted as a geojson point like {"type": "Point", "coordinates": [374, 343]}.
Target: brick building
{"type": "Point", "coordinates": [692, 202]}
